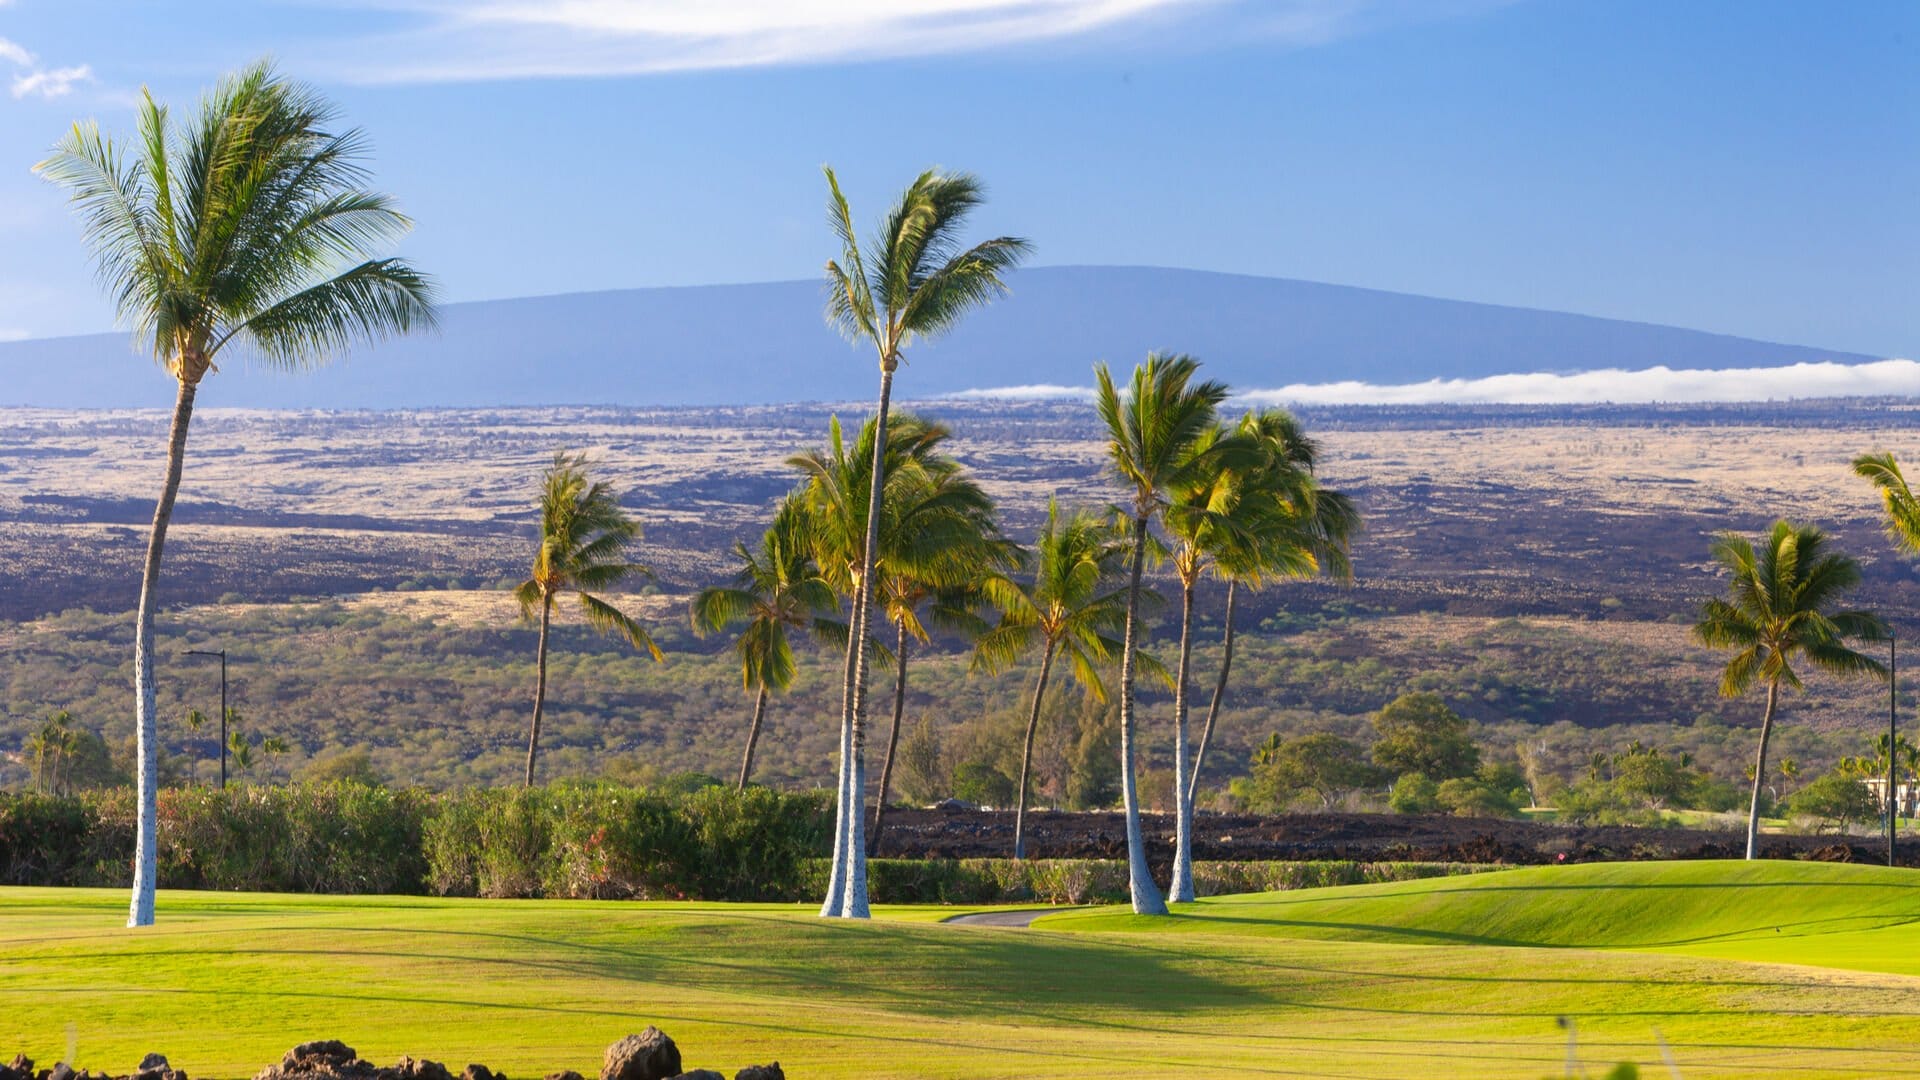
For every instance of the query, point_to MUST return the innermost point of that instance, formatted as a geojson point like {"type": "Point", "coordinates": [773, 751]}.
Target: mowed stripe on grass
{"type": "Point", "coordinates": [1248, 986]}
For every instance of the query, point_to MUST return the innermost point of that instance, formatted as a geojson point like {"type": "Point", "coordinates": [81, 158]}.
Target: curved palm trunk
{"type": "Point", "coordinates": [1146, 895]}
{"type": "Point", "coordinates": [1026, 755]}
{"type": "Point", "coordinates": [855, 906]}
{"type": "Point", "coordinates": [753, 737]}
{"type": "Point", "coordinates": [901, 642]}
{"type": "Point", "coordinates": [146, 704]}
{"type": "Point", "coordinates": [539, 684]}
{"type": "Point", "coordinates": [1760, 772]}
{"type": "Point", "coordinates": [837, 868]}
{"type": "Point", "coordinates": [1219, 692]}
{"type": "Point", "coordinates": [1180, 890]}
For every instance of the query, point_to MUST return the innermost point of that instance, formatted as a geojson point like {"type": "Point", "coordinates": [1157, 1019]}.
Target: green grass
{"type": "Point", "coordinates": [1444, 977]}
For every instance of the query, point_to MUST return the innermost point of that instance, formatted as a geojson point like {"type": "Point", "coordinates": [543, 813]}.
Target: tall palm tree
{"type": "Point", "coordinates": [584, 536]}
{"type": "Point", "coordinates": [1152, 431]}
{"type": "Point", "coordinates": [244, 229]}
{"type": "Point", "coordinates": [777, 589]}
{"type": "Point", "coordinates": [1777, 611]}
{"type": "Point", "coordinates": [1306, 529]}
{"type": "Point", "coordinates": [1902, 506]}
{"type": "Point", "coordinates": [1073, 607]}
{"type": "Point", "coordinates": [921, 282]}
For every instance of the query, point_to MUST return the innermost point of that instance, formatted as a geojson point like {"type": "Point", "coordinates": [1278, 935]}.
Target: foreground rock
{"type": "Point", "coordinates": [650, 1055]}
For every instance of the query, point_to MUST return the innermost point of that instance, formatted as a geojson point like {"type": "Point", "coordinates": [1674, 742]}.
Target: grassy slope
{"type": "Point", "coordinates": [227, 982]}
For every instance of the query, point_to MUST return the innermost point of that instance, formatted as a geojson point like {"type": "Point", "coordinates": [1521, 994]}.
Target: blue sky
{"type": "Point", "coordinates": [1748, 167]}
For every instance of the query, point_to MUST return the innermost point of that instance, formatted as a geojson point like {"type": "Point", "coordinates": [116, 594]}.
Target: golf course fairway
{"type": "Point", "coordinates": [1725, 968]}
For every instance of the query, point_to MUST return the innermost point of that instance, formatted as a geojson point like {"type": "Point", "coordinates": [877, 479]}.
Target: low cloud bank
{"type": "Point", "coordinates": [1881, 378]}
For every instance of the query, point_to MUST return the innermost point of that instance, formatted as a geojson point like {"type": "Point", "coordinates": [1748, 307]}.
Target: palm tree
{"type": "Point", "coordinates": [584, 535]}
{"type": "Point", "coordinates": [244, 228]}
{"type": "Point", "coordinates": [777, 589]}
{"type": "Point", "coordinates": [1069, 609]}
{"type": "Point", "coordinates": [1286, 526]}
{"type": "Point", "coordinates": [1152, 432]}
{"type": "Point", "coordinates": [919, 286]}
{"type": "Point", "coordinates": [1902, 506]}
{"type": "Point", "coordinates": [1777, 611]}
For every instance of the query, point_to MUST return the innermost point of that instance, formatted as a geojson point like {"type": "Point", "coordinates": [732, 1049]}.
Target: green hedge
{"type": "Point", "coordinates": [575, 840]}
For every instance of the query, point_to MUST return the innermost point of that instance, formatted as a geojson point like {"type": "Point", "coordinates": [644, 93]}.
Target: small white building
{"type": "Point", "coordinates": [1905, 794]}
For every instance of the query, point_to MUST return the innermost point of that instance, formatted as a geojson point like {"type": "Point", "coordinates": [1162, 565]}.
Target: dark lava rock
{"type": "Point", "coordinates": [700, 1074]}
{"type": "Point", "coordinates": [565, 1074]}
{"type": "Point", "coordinates": [649, 1055]}
{"type": "Point", "coordinates": [478, 1072]}
{"type": "Point", "coordinates": [410, 1069]}
{"type": "Point", "coordinates": [761, 1072]}
{"type": "Point", "coordinates": [61, 1071]}
{"type": "Point", "coordinates": [20, 1068]}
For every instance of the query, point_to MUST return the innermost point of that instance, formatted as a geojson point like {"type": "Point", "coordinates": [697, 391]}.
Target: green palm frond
{"type": "Point", "coordinates": [246, 227]}
{"type": "Point", "coordinates": [1902, 507]}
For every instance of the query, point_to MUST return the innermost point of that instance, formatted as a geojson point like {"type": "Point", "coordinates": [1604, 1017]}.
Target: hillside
{"type": "Point", "coordinates": [749, 344]}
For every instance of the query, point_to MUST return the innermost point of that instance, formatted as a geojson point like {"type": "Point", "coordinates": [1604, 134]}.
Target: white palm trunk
{"type": "Point", "coordinates": [1145, 894]}
{"type": "Point", "coordinates": [1181, 888]}
{"type": "Point", "coordinates": [146, 846]}
{"type": "Point", "coordinates": [855, 905]}
{"type": "Point", "coordinates": [1760, 773]}
{"type": "Point", "coordinates": [835, 901]}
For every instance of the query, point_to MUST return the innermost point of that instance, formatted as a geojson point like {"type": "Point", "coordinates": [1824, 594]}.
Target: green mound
{"type": "Point", "coordinates": [1832, 914]}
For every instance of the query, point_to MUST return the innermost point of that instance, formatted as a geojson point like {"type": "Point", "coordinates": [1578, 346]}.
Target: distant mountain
{"type": "Point", "coordinates": [750, 344]}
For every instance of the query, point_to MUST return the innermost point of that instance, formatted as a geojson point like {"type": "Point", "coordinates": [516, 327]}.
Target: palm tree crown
{"type": "Point", "coordinates": [1902, 506]}
{"type": "Point", "coordinates": [247, 226]}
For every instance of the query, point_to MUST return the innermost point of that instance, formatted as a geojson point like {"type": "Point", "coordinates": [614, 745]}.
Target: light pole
{"type": "Point", "coordinates": [222, 654]}
{"type": "Point", "coordinates": [1893, 723]}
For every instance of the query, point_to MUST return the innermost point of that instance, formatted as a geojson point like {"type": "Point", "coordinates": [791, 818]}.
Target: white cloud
{"type": "Point", "coordinates": [472, 40]}
{"type": "Point", "coordinates": [50, 83]}
{"type": "Point", "coordinates": [14, 53]}
{"type": "Point", "coordinates": [1656, 384]}
{"type": "Point", "coordinates": [12, 333]}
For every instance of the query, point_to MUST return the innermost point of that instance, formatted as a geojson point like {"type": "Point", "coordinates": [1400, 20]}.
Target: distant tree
{"type": "Point", "coordinates": [1414, 793]}
{"type": "Point", "coordinates": [1152, 432]}
{"type": "Point", "coordinates": [351, 766]}
{"type": "Point", "coordinates": [1072, 608]}
{"type": "Point", "coordinates": [245, 228]}
{"type": "Point", "coordinates": [1492, 791]}
{"type": "Point", "coordinates": [981, 783]}
{"type": "Point", "coordinates": [1320, 765]}
{"type": "Point", "coordinates": [1779, 610]}
{"type": "Point", "coordinates": [777, 589]}
{"type": "Point", "coordinates": [1418, 733]}
{"type": "Point", "coordinates": [1837, 799]}
{"type": "Point", "coordinates": [50, 752]}
{"type": "Point", "coordinates": [924, 776]}
{"type": "Point", "coordinates": [584, 537]}
{"type": "Point", "coordinates": [919, 284]}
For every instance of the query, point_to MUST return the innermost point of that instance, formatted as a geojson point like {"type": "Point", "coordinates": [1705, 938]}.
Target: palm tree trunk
{"type": "Point", "coordinates": [1219, 692]}
{"type": "Point", "coordinates": [1760, 772]}
{"type": "Point", "coordinates": [1180, 890]}
{"type": "Point", "coordinates": [1146, 895]}
{"type": "Point", "coordinates": [835, 903]}
{"type": "Point", "coordinates": [1026, 755]}
{"type": "Point", "coordinates": [856, 873]}
{"type": "Point", "coordinates": [753, 736]}
{"type": "Point", "coordinates": [146, 704]}
{"type": "Point", "coordinates": [539, 683]}
{"type": "Point", "coordinates": [901, 641]}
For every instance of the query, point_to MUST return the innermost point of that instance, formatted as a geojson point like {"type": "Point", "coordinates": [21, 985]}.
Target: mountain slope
{"type": "Point", "coordinates": [746, 344]}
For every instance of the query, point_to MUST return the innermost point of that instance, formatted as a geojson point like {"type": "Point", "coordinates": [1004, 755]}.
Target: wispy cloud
{"type": "Point", "coordinates": [37, 81]}
{"type": "Point", "coordinates": [50, 83]}
{"type": "Point", "coordinates": [1656, 384]}
{"type": "Point", "coordinates": [472, 40]}
{"type": "Point", "coordinates": [13, 333]}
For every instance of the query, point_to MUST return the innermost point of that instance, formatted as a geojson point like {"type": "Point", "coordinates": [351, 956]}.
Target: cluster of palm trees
{"type": "Point", "coordinates": [1781, 612]}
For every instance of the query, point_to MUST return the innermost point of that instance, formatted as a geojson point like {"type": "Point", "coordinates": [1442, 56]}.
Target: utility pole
{"type": "Point", "coordinates": [222, 654]}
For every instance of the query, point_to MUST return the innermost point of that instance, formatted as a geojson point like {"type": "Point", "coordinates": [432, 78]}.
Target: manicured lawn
{"type": "Point", "coordinates": [1447, 977]}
